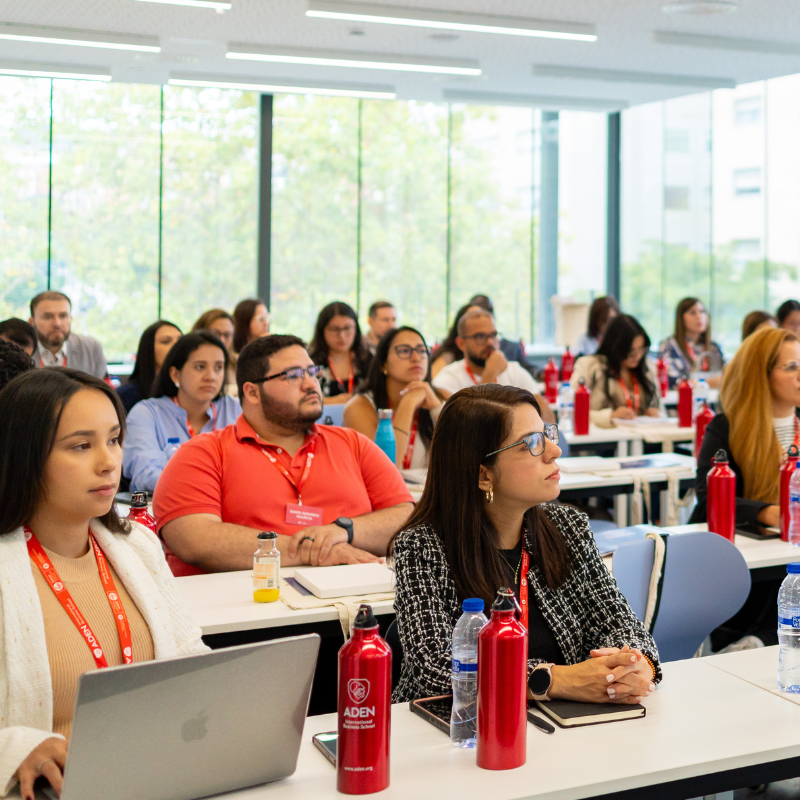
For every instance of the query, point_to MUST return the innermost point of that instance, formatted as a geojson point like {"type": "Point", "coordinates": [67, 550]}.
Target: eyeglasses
{"type": "Point", "coordinates": [482, 338]}
{"type": "Point", "coordinates": [535, 442]}
{"type": "Point", "coordinates": [293, 375]}
{"type": "Point", "coordinates": [336, 331]}
{"type": "Point", "coordinates": [405, 350]}
{"type": "Point", "coordinates": [790, 368]}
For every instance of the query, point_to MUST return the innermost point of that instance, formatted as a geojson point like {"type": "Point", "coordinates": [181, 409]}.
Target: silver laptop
{"type": "Point", "coordinates": [193, 726]}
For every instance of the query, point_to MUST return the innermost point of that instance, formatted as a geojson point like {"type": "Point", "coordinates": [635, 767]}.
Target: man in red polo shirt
{"type": "Point", "coordinates": [275, 470]}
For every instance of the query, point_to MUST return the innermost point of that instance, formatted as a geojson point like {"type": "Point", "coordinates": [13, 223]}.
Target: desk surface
{"type": "Point", "coordinates": [758, 667]}
{"type": "Point", "coordinates": [700, 721]}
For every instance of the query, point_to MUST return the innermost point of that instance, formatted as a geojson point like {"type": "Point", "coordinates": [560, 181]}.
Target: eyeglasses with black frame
{"type": "Point", "coordinates": [294, 374]}
{"type": "Point", "coordinates": [404, 351]}
{"type": "Point", "coordinates": [535, 441]}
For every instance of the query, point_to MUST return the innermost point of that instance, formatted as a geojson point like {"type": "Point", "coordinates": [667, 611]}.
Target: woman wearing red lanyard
{"type": "Point", "coordinates": [486, 519]}
{"type": "Point", "coordinates": [339, 349]}
{"type": "Point", "coordinates": [399, 379]}
{"type": "Point", "coordinates": [80, 589]}
{"type": "Point", "coordinates": [187, 400]}
{"type": "Point", "coordinates": [619, 376]}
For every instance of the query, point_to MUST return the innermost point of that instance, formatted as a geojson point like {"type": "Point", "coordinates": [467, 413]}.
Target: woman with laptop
{"type": "Point", "coordinates": [399, 379]}
{"type": "Point", "coordinates": [80, 588]}
{"type": "Point", "coordinates": [486, 519]}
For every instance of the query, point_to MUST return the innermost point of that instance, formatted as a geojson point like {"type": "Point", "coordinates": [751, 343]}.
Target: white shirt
{"type": "Point", "coordinates": [454, 377]}
{"type": "Point", "coordinates": [48, 359]}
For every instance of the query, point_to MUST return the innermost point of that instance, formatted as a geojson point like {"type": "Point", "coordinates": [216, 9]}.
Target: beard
{"type": "Point", "coordinates": [55, 340]}
{"type": "Point", "coordinates": [476, 360]}
{"type": "Point", "coordinates": [289, 416]}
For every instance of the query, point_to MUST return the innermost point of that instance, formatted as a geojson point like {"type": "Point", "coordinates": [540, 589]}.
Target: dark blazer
{"type": "Point", "coordinates": [587, 611]}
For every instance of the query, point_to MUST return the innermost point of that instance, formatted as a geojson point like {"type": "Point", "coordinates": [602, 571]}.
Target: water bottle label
{"type": "Point", "coordinates": [790, 622]}
{"type": "Point", "coordinates": [459, 667]}
{"type": "Point", "coordinates": [794, 496]}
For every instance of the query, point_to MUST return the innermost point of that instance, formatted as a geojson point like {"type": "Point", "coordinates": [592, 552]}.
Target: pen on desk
{"type": "Point", "coordinates": [543, 726]}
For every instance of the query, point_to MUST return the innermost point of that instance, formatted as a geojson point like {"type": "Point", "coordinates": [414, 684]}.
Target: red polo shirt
{"type": "Point", "coordinates": [227, 473]}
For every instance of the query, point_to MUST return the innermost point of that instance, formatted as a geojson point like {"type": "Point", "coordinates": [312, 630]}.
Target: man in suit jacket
{"type": "Point", "coordinates": [51, 316]}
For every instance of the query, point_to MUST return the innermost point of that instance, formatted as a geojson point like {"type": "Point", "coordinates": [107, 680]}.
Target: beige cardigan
{"type": "Point", "coordinates": [26, 689]}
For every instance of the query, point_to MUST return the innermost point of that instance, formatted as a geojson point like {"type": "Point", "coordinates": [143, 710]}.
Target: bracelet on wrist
{"type": "Point", "coordinates": [400, 430]}
{"type": "Point", "coordinates": [652, 666]}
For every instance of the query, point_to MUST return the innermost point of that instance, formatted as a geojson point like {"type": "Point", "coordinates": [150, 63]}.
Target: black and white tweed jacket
{"type": "Point", "coordinates": [586, 612]}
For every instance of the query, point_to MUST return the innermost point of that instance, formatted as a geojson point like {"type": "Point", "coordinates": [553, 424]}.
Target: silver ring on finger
{"type": "Point", "coordinates": [39, 768]}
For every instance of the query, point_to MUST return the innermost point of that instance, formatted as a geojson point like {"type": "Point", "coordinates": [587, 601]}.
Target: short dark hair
{"type": "Point", "coordinates": [178, 356]}
{"type": "Point", "coordinates": [30, 411]}
{"type": "Point", "coordinates": [242, 317]}
{"type": "Point", "coordinates": [785, 309]}
{"type": "Point", "coordinates": [18, 331]}
{"type": "Point", "coordinates": [318, 349]}
{"type": "Point", "coordinates": [253, 361]}
{"type": "Point", "coordinates": [48, 296]}
{"type": "Point", "coordinates": [378, 305]}
{"type": "Point", "coordinates": [484, 301]}
{"type": "Point", "coordinates": [601, 310]}
{"type": "Point", "coordinates": [13, 361]}
{"type": "Point", "coordinates": [144, 370]}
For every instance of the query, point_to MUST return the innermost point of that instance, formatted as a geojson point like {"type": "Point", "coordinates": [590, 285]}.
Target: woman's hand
{"type": "Point", "coordinates": [623, 676]}
{"type": "Point", "coordinates": [652, 412]}
{"type": "Point", "coordinates": [770, 515]}
{"type": "Point", "coordinates": [623, 412]}
{"type": "Point", "coordinates": [46, 760]}
{"type": "Point", "coordinates": [421, 395]}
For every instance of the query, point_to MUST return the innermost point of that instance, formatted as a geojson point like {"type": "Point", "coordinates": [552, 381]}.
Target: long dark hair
{"type": "Point", "coordinates": [30, 411]}
{"type": "Point", "coordinates": [242, 317]}
{"type": "Point", "coordinates": [680, 326]}
{"type": "Point", "coordinates": [617, 343]}
{"type": "Point", "coordinates": [786, 308]}
{"type": "Point", "coordinates": [599, 313]}
{"type": "Point", "coordinates": [376, 380]}
{"type": "Point", "coordinates": [178, 356]}
{"type": "Point", "coordinates": [474, 422]}
{"type": "Point", "coordinates": [449, 344]}
{"type": "Point", "coordinates": [318, 349]}
{"type": "Point", "coordinates": [144, 370]}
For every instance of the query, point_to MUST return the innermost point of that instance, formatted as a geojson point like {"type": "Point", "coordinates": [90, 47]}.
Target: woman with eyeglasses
{"type": "Point", "coordinates": [399, 379]}
{"type": "Point", "coordinates": [486, 520]}
{"type": "Point", "coordinates": [760, 396]}
{"type": "Point", "coordinates": [339, 349]}
{"type": "Point", "coordinates": [621, 379]}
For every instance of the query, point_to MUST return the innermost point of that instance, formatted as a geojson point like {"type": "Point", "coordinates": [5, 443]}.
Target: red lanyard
{"type": "Point", "coordinates": [693, 355]}
{"type": "Point", "coordinates": [350, 380]}
{"type": "Point", "coordinates": [796, 431]}
{"type": "Point", "coordinates": [63, 596]}
{"type": "Point", "coordinates": [312, 447]}
{"type": "Point", "coordinates": [412, 437]}
{"type": "Point", "coordinates": [470, 373]}
{"type": "Point", "coordinates": [41, 363]}
{"type": "Point", "coordinates": [635, 404]}
{"type": "Point", "coordinates": [189, 427]}
{"type": "Point", "coordinates": [523, 588]}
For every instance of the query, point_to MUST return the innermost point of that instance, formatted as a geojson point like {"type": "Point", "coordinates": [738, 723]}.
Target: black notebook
{"type": "Point", "coordinates": [571, 714]}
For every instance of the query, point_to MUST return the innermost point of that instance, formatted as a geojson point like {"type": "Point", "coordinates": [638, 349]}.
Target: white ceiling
{"type": "Point", "coordinates": [194, 40]}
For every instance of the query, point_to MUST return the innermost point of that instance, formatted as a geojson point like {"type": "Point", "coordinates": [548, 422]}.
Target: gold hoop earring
{"type": "Point", "coordinates": [490, 496]}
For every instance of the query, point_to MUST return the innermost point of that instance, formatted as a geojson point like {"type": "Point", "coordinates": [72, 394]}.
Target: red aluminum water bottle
{"type": "Point", "coordinates": [685, 400]}
{"type": "Point", "coordinates": [365, 709]}
{"type": "Point", "coordinates": [704, 416]}
{"type": "Point", "coordinates": [663, 377]}
{"type": "Point", "coordinates": [787, 470]}
{"type": "Point", "coordinates": [567, 365]}
{"type": "Point", "coordinates": [551, 381]}
{"type": "Point", "coordinates": [501, 731]}
{"type": "Point", "coordinates": [139, 512]}
{"type": "Point", "coordinates": [721, 502]}
{"type": "Point", "coordinates": [582, 397]}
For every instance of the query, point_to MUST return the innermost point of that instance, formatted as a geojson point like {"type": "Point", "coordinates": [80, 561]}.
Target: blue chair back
{"type": "Point", "coordinates": [336, 413]}
{"type": "Point", "coordinates": [705, 582]}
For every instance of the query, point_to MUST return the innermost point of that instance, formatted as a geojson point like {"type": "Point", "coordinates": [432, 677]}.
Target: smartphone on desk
{"type": "Point", "coordinates": [326, 744]}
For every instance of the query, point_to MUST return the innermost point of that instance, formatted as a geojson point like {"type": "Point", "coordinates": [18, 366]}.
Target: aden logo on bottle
{"type": "Point", "coordinates": [358, 689]}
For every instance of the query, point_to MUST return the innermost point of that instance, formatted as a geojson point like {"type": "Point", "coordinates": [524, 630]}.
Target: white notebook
{"type": "Point", "coordinates": [346, 579]}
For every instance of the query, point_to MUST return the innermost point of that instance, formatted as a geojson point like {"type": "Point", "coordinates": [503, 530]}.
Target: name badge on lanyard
{"type": "Point", "coordinates": [297, 513]}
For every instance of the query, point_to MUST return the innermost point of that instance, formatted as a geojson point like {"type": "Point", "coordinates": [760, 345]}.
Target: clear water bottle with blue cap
{"type": "Point", "coordinates": [789, 631]}
{"type": "Point", "coordinates": [172, 447]}
{"type": "Point", "coordinates": [384, 436]}
{"type": "Point", "coordinates": [465, 673]}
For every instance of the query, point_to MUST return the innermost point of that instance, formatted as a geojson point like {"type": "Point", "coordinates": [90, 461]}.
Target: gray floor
{"type": "Point", "coordinates": [775, 791]}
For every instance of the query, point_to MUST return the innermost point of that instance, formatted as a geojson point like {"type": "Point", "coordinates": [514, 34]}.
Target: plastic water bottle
{"type": "Point", "coordinates": [794, 508]}
{"type": "Point", "coordinates": [701, 395]}
{"type": "Point", "coordinates": [384, 436]}
{"type": "Point", "coordinates": [566, 407]}
{"type": "Point", "coordinates": [172, 447]}
{"type": "Point", "coordinates": [789, 631]}
{"type": "Point", "coordinates": [465, 673]}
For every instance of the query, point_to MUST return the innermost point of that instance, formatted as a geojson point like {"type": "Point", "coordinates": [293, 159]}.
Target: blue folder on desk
{"type": "Point", "coordinates": [608, 541]}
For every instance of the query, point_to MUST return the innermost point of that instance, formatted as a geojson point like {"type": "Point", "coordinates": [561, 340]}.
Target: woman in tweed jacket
{"type": "Point", "coordinates": [492, 465]}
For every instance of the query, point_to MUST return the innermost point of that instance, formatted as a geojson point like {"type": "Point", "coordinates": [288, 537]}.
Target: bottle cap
{"type": "Point", "coordinates": [327, 421]}
{"type": "Point", "coordinates": [472, 604]}
{"type": "Point", "coordinates": [581, 381]}
{"type": "Point", "coordinates": [793, 452]}
{"type": "Point", "coordinates": [793, 569]}
{"type": "Point", "coordinates": [176, 440]}
{"type": "Point", "coordinates": [365, 618]}
{"type": "Point", "coordinates": [385, 413]}
{"type": "Point", "coordinates": [139, 500]}
{"type": "Point", "coordinates": [267, 535]}
{"type": "Point", "coordinates": [720, 457]}
{"type": "Point", "coordinates": [505, 600]}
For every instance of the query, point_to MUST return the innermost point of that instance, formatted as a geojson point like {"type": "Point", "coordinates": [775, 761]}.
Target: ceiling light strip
{"type": "Point", "coordinates": [725, 43]}
{"type": "Point", "coordinates": [620, 76]}
{"type": "Point", "coordinates": [267, 86]}
{"type": "Point", "coordinates": [26, 69]}
{"type": "Point", "coordinates": [78, 38]}
{"type": "Point", "coordinates": [549, 102]}
{"type": "Point", "coordinates": [193, 4]}
{"type": "Point", "coordinates": [450, 20]}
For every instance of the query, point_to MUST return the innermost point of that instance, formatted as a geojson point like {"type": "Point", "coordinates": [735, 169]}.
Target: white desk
{"type": "Point", "coordinates": [222, 602]}
{"type": "Point", "coordinates": [617, 435]}
{"type": "Point", "coordinates": [672, 397]}
{"type": "Point", "coordinates": [758, 667]}
{"type": "Point", "coordinates": [700, 722]}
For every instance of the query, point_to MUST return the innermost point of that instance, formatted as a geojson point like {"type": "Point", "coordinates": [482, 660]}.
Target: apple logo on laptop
{"type": "Point", "coordinates": [195, 728]}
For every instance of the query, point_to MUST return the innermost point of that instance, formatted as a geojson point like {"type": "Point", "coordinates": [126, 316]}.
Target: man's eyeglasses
{"type": "Point", "coordinates": [482, 338]}
{"type": "Point", "coordinates": [535, 441]}
{"type": "Point", "coordinates": [790, 368]}
{"type": "Point", "coordinates": [405, 350]}
{"type": "Point", "coordinates": [293, 375]}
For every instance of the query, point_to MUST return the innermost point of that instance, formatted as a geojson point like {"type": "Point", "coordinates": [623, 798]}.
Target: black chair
{"type": "Point", "coordinates": [393, 640]}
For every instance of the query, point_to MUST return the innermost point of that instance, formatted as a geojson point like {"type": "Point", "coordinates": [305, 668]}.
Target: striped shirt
{"type": "Point", "coordinates": [784, 429]}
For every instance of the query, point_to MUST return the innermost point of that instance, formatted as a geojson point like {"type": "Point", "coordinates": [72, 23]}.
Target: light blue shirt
{"type": "Point", "coordinates": [151, 424]}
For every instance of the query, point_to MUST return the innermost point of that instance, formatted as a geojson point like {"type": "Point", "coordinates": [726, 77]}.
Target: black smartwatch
{"type": "Point", "coordinates": [347, 524]}
{"type": "Point", "coordinates": [540, 680]}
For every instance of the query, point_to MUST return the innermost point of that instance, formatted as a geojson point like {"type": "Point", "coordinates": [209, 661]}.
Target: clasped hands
{"type": "Point", "coordinates": [326, 545]}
